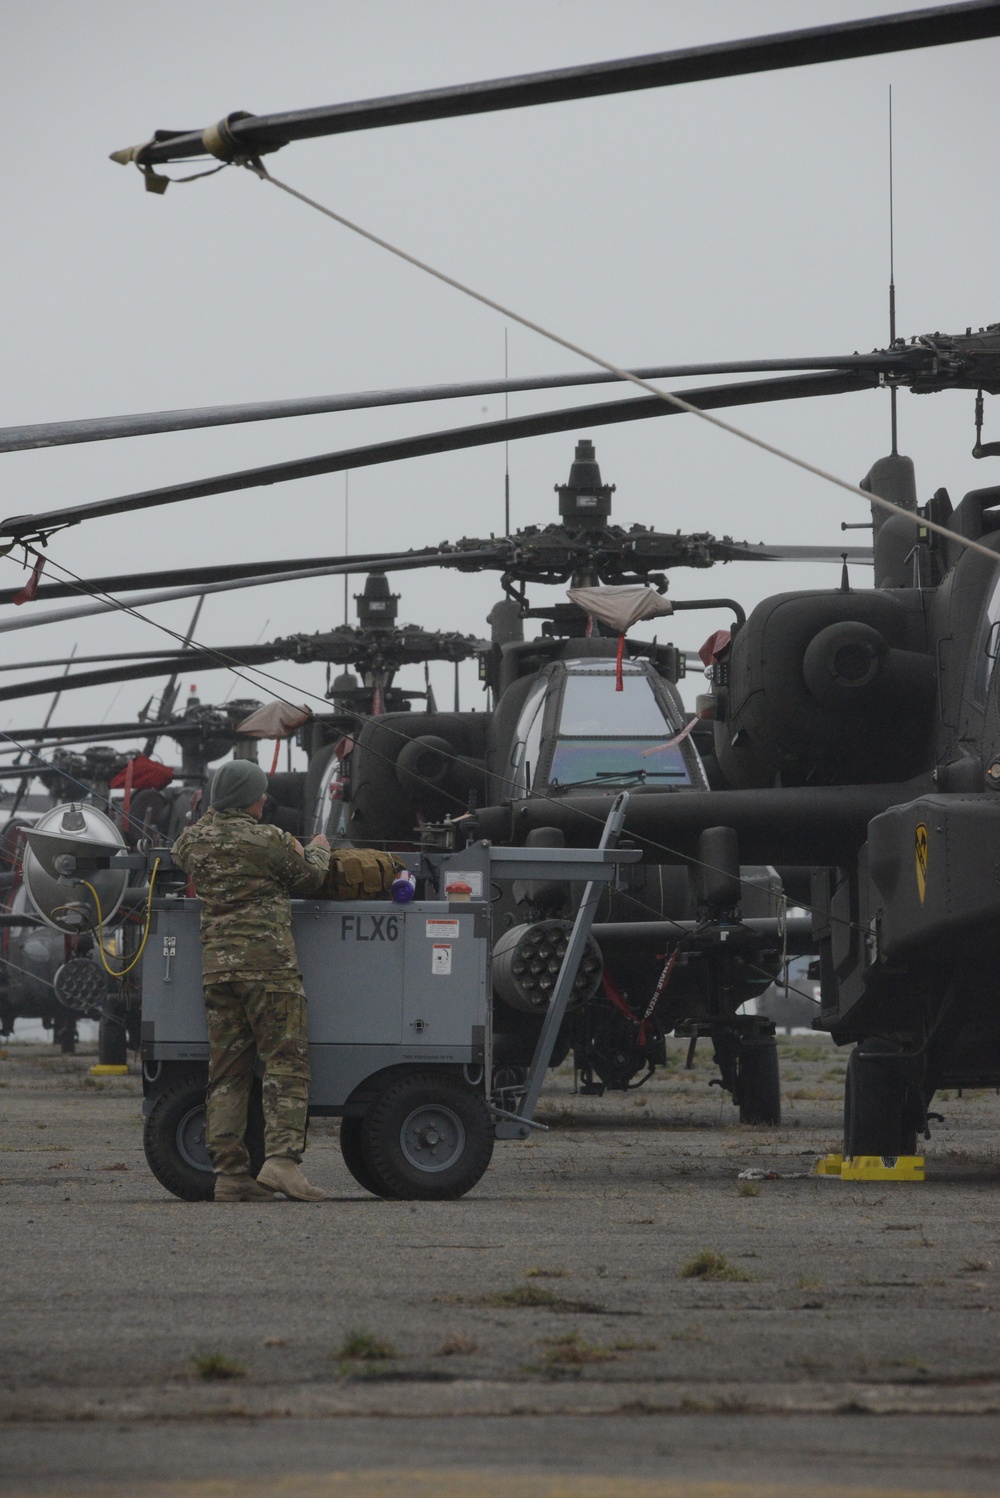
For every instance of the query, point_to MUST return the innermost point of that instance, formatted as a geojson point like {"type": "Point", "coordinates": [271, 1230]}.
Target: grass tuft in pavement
{"type": "Point", "coordinates": [572, 1352]}
{"type": "Point", "coordinates": [364, 1347]}
{"type": "Point", "coordinates": [708, 1265]}
{"type": "Point", "coordinates": [215, 1365]}
{"type": "Point", "coordinates": [535, 1297]}
{"type": "Point", "coordinates": [458, 1345]}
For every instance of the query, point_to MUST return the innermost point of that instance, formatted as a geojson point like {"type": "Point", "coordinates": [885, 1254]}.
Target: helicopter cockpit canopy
{"type": "Point", "coordinates": [576, 730]}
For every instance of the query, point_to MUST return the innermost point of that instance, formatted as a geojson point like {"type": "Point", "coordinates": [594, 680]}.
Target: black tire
{"type": "Point", "coordinates": [112, 1041]}
{"type": "Point", "coordinates": [64, 1030]}
{"type": "Point", "coordinates": [758, 1081]}
{"type": "Point", "coordinates": [174, 1138]}
{"type": "Point", "coordinates": [352, 1149]}
{"type": "Point", "coordinates": [427, 1137]}
{"type": "Point", "coordinates": [875, 1111]}
{"type": "Point", "coordinates": [254, 1136]}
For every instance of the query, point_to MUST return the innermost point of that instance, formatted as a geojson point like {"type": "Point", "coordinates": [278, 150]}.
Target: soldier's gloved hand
{"type": "Point", "coordinates": [319, 841]}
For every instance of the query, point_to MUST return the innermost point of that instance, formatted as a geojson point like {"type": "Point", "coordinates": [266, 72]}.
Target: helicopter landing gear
{"type": "Point", "coordinates": [758, 1082]}
{"type": "Point", "coordinates": [64, 1030]}
{"type": "Point", "coordinates": [112, 1041]}
{"type": "Point", "coordinates": [118, 1031]}
{"type": "Point", "coordinates": [748, 1060]}
{"type": "Point", "coordinates": [878, 1112]}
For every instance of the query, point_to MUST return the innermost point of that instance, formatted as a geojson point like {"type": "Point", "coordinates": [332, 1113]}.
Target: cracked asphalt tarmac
{"type": "Point", "coordinates": [546, 1328]}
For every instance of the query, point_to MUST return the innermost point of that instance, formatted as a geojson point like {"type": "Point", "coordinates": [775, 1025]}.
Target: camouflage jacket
{"type": "Point", "coordinates": [243, 872]}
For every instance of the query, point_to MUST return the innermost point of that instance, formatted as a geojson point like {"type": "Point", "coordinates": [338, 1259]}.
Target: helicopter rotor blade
{"type": "Point", "coordinates": [242, 655]}
{"type": "Point", "coordinates": [406, 562]}
{"type": "Point", "coordinates": [741, 551]}
{"type": "Point", "coordinates": [240, 135]}
{"type": "Point", "coordinates": [83, 660]}
{"type": "Point", "coordinates": [151, 423]}
{"type": "Point", "coordinates": [61, 737]}
{"type": "Point", "coordinates": [340, 647]}
{"type": "Point", "coordinates": [749, 392]}
{"type": "Point", "coordinates": [295, 567]}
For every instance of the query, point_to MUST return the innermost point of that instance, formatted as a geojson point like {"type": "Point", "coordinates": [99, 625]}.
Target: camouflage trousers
{"type": "Point", "coordinates": [245, 1020]}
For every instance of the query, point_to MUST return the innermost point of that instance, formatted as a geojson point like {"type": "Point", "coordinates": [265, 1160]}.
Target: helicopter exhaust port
{"type": "Point", "coordinates": [526, 963]}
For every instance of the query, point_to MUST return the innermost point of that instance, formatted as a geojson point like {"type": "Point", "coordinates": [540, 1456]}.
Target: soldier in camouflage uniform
{"type": "Point", "coordinates": [244, 872]}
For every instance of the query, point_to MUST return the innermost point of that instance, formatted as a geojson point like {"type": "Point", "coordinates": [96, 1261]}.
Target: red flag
{"type": "Point", "coordinates": [30, 588]}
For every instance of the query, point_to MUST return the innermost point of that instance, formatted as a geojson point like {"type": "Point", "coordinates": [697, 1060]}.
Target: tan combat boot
{"type": "Point", "coordinates": [240, 1187]}
{"type": "Point", "coordinates": [282, 1174]}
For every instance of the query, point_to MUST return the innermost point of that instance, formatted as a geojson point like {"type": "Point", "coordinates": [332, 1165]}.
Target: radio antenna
{"type": "Point", "coordinates": [892, 282]}
{"type": "Point", "coordinates": [347, 505]}
{"type": "Point", "coordinates": [506, 446]}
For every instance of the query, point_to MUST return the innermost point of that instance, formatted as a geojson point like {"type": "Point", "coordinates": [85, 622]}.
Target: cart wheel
{"type": "Point", "coordinates": [254, 1136]}
{"type": "Point", "coordinates": [427, 1137]}
{"type": "Point", "coordinates": [352, 1149]}
{"type": "Point", "coordinates": [758, 1082]}
{"type": "Point", "coordinates": [174, 1138]}
{"type": "Point", "coordinates": [875, 1113]}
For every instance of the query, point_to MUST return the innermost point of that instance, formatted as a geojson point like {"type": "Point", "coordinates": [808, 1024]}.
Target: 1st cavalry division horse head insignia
{"type": "Point", "coordinates": [920, 842]}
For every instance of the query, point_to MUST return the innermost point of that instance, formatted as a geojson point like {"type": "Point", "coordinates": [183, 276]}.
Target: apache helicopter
{"type": "Point", "coordinates": [557, 725]}
{"type": "Point", "coordinates": [963, 361]}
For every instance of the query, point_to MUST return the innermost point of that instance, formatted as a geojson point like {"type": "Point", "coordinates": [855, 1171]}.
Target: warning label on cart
{"type": "Point", "coordinates": [442, 930]}
{"type": "Point", "coordinates": [441, 959]}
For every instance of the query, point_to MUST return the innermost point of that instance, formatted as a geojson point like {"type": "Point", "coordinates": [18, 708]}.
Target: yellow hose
{"type": "Point", "coordinates": [100, 925]}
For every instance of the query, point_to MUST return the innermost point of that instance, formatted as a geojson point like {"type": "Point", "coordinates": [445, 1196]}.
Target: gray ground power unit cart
{"type": "Point", "coordinates": [400, 1040]}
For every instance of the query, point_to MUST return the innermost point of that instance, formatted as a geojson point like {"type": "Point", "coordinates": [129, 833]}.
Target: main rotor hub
{"type": "Point", "coordinates": [584, 501]}
{"type": "Point", "coordinates": [377, 606]}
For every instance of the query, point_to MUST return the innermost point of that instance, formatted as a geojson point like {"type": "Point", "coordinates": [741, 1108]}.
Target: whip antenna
{"type": "Point", "coordinates": [347, 506]}
{"type": "Point", "coordinates": [892, 283]}
{"type": "Point", "coordinates": [506, 446]}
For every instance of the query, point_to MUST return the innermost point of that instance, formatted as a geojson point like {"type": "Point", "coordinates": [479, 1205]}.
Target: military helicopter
{"type": "Point", "coordinates": [861, 734]}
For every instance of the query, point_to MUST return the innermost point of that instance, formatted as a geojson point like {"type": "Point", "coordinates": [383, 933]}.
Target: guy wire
{"type": "Point", "coordinates": [259, 170]}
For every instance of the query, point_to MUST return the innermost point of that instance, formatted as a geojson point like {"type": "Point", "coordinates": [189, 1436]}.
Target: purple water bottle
{"type": "Point", "coordinates": [404, 887]}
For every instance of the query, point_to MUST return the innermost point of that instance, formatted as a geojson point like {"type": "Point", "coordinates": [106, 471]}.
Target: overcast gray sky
{"type": "Point", "coordinates": [725, 220]}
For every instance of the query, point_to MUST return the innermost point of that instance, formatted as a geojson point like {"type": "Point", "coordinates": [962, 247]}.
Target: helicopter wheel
{"type": "Point", "coordinates": [758, 1081]}
{"type": "Point", "coordinates": [876, 1120]}
{"type": "Point", "coordinates": [112, 1041]}
{"type": "Point", "coordinates": [64, 1031]}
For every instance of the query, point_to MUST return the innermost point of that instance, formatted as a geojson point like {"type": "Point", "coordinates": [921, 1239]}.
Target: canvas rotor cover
{"type": "Point", "coordinates": [275, 720]}
{"type": "Point", "coordinates": [621, 606]}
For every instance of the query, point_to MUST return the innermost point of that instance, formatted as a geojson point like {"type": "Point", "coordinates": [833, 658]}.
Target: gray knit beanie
{"type": "Point", "coordinates": [239, 782]}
